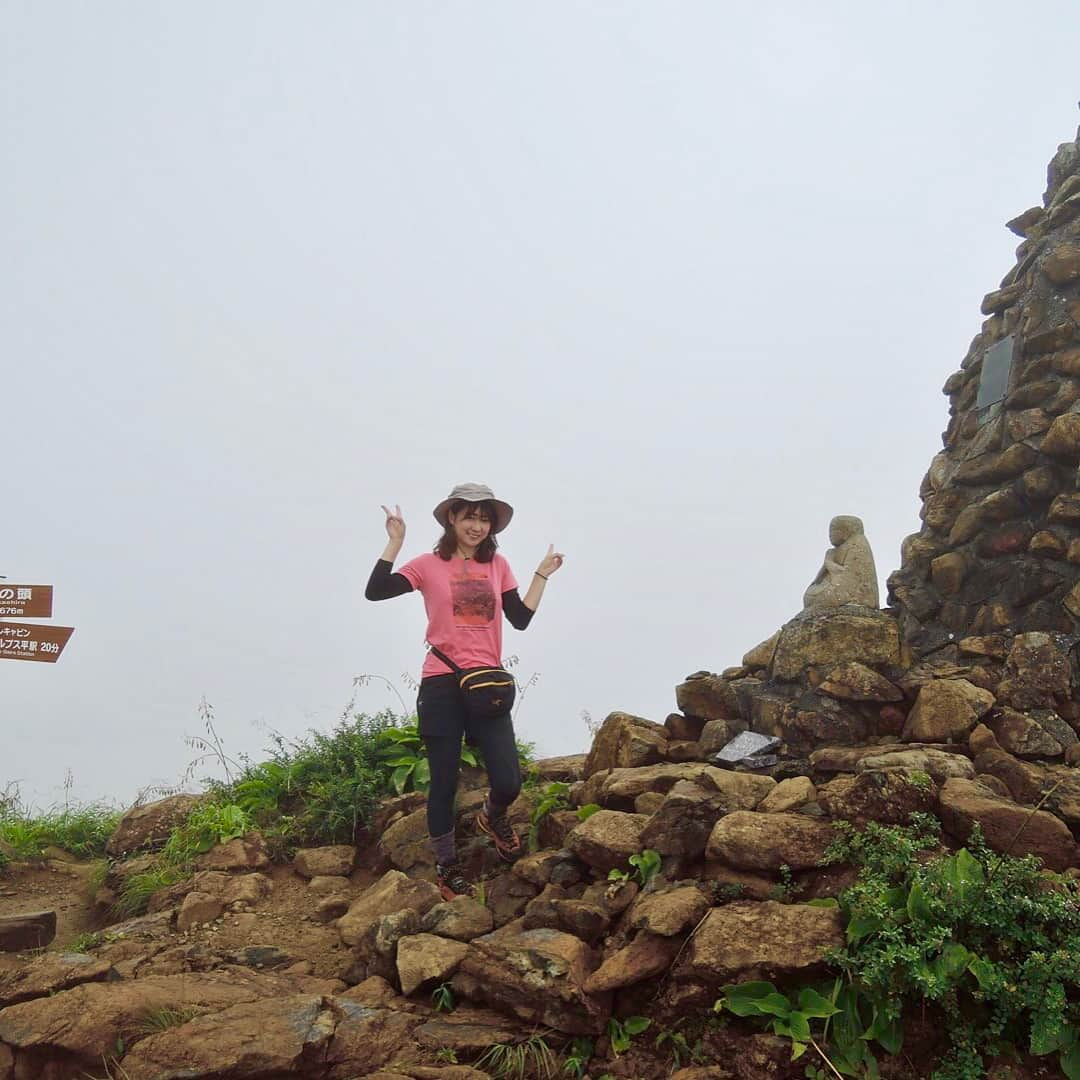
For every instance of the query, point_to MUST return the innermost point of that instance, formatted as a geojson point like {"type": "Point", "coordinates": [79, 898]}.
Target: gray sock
{"type": "Point", "coordinates": [445, 849]}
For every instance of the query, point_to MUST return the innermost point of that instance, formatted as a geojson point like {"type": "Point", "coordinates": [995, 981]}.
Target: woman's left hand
{"type": "Point", "coordinates": [550, 562]}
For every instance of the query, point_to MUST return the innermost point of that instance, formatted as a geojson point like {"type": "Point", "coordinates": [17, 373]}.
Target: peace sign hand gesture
{"type": "Point", "coordinates": [550, 562]}
{"type": "Point", "coordinates": [395, 525]}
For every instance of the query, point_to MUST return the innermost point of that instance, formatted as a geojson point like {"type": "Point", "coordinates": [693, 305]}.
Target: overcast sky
{"type": "Point", "coordinates": [680, 281]}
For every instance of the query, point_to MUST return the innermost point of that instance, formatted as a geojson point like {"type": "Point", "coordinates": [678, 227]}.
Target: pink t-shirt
{"type": "Point", "coordinates": [463, 600]}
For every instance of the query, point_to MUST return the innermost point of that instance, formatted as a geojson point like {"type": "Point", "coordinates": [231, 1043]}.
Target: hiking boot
{"type": "Point", "coordinates": [452, 883]}
{"type": "Point", "coordinates": [506, 840]}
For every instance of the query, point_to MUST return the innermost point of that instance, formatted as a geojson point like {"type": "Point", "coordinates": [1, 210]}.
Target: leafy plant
{"type": "Point", "coordinates": [442, 997]}
{"type": "Point", "coordinates": [618, 875]}
{"type": "Point", "coordinates": [556, 796]}
{"type": "Point", "coordinates": [585, 812]}
{"type": "Point", "coordinates": [646, 865]}
{"type": "Point", "coordinates": [83, 943]}
{"type": "Point", "coordinates": [515, 1061]}
{"type": "Point", "coordinates": [679, 1045]}
{"type": "Point", "coordinates": [446, 1055]}
{"type": "Point", "coordinates": [404, 754]}
{"type": "Point", "coordinates": [787, 888]}
{"type": "Point", "coordinates": [82, 831]}
{"type": "Point", "coordinates": [620, 1032]}
{"type": "Point", "coordinates": [577, 1060]}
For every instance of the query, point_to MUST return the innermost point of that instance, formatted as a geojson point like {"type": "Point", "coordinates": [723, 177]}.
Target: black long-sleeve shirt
{"type": "Point", "coordinates": [384, 584]}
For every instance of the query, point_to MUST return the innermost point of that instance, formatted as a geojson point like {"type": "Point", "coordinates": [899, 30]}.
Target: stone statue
{"type": "Point", "coordinates": [848, 575]}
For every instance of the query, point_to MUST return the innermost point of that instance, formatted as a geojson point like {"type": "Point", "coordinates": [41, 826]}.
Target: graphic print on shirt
{"type": "Point", "coordinates": [473, 600]}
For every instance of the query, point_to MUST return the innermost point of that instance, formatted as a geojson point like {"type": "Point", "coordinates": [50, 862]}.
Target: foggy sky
{"type": "Point", "coordinates": [681, 281]}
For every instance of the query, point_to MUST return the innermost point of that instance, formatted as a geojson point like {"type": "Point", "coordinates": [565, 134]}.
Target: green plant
{"type": "Point", "coordinates": [446, 1055]}
{"type": "Point", "coordinates": [83, 943]}
{"type": "Point", "coordinates": [404, 753]}
{"type": "Point", "coordinates": [480, 892]}
{"type": "Point", "coordinates": [515, 1061]}
{"type": "Point", "coordinates": [82, 831]}
{"type": "Point", "coordinates": [618, 875]}
{"type": "Point", "coordinates": [620, 1032]}
{"type": "Point", "coordinates": [210, 823]}
{"type": "Point", "coordinates": [165, 1017]}
{"type": "Point", "coordinates": [580, 1052]}
{"type": "Point", "coordinates": [442, 997]}
{"type": "Point", "coordinates": [787, 888]}
{"type": "Point", "coordinates": [785, 1014]}
{"type": "Point", "coordinates": [585, 812]}
{"type": "Point", "coordinates": [137, 889]}
{"type": "Point", "coordinates": [646, 865]}
{"type": "Point", "coordinates": [989, 940]}
{"type": "Point", "coordinates": [556, 796]}
{"type": "Point", "coordinates": [920, 779]}
{"type": "Point", "coordinates": [679, 1045]}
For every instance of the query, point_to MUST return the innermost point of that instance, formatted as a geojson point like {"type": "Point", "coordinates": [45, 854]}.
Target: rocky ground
{"type": "Point", "coordinates": [325, 968]}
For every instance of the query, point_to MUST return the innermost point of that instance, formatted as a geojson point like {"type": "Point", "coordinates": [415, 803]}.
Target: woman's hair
{"type": "Point", "coordinates": [447, 543]}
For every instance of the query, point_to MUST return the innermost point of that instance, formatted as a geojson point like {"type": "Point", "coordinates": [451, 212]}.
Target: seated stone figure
{"type": "Point", "coordinates": [848, 575]}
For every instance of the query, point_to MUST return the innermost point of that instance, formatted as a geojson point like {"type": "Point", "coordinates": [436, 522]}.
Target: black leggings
{"type": "Point", "coordinates": [443, 722]}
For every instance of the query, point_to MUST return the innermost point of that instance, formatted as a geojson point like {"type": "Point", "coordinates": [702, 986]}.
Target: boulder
{"type": "Point", "coordinates": [259, 1038]}
{"type": "Point", "coordinates": [938, 764]}
{"type": "Point", "coordinates": [197, 910]}
{"type": "Point", "coordinates": [625, 741]}
{"type": "Point", "coordinates": [669, 912]}
{"type": "Point", "coordinates": [889, 796]}
{"type": "Point", "coordinates": [946, 710]}
{"type": "Point", "coordinates": [761, 940]}
{"type": "Point", "coordinates": [1035, 672]}
{"type": "Point", "coordinates": [607, 839]}
{"type": "Point", "coordinates": [682, 823]}
{"type": "Point", "coordinates": [329, 886]}
{"type": "Point", "coordinates": [753, 841]}
{"type": "Point", "coordinates": [391, 893]}
{"type": "Point", "coordinates": [336, 860]}
{"type": "Point", "coordinates": [560, 867]}
{"type": "Point", "coordinates": [789, 795]}
{"type": "Point", "coordinates": [707, 696]}
{"type": "Point", "coordinates": [149, 826]}
{"type": "Point", "coordinates": [716, 734]}
{"type": "Point", "coordinates": [647, 956]}
{"type": "Point", "coordinates": [825, 638]}
{"type": "Point", "coordinates": [853, 681]}
{"type": "Point", "coordinates": [461, 919]}
{"type": "Point", "coordinates": [426, 958]}
{"type": "Point", "coordinates": [1006, 826]}
{"type": "Point", "coordinates": [537, 975]}
{"type": "Point", "coordinates": [244, 853]}
{"type": "Point", "coordinates": [1021, 735]}
{"type": "Point", "coordinates": [51, 973]}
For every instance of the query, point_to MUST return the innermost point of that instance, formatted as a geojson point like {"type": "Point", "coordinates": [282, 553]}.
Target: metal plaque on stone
{"type": "Point", "coordinates": [744, 746]}
{"type": "Point", "coordinates": [996, 369]}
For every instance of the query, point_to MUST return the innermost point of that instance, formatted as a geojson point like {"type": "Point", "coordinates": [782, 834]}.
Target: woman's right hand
{"type": "Point", "coordinates": [395, 524]}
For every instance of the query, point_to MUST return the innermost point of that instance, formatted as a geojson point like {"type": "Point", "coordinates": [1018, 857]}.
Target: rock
{"type": "Point", "coordinates": [507, 897]}
{"type": "Point", "coordinates": [669, 912]}
{"type": "Point", "coordinates": [751, 841]}
{"type": "Point", "coordinates": [622, 786]}
{"type": "Point", "coordinates": [1006, 826]}
{"type": "Point", "coordinates": [607, 839]}
{"type": "Point", "coordinates": [1026, 782]}
{"type": "Point", "coordinates": [244, 853]}
{"type": "Point", "coordinates": [82, 1025]}
{"type": "Point", "coordinates": [853, 681]}
{"type": "Point", "coordinates": [1020, 735]}
{"type": "Point", "coordinates": [761, 940]}
{"type": "Point", "coordinates": [715, 735]}
{"type": "Point", "coordinates": [805, 729]}
{"type": "Point", "coordinates": [197, 909]}
{"type": "Point", "coordinates": [327, 886]}
{"type": "Point", "coordinates": [684, 820]}
{"type": "Point", "coordinates": [889, 796]}
{"type": "Point", "coordinates": [761, 656]}
{"type": "Point", "coordinates": [27, 930]}
{"type": "Point", "coordinates": [260, 1038]}
{"type": "Point", "coordinates": [740, 791]}
{"type": "Point", "coordinates": [51, 973]}
{"type": "Point", "coordinates": [1035, 672]}
{"type": "Point", "coordinates": [560, 867]}
{"type": "Point", "coordinates": [648, 802]}
{"type": "Point", "coordinates": [374, 993]}
{"type": "Point", "coordinates": [567, 769]}
{"type": "Point", "coordinates": [980, 739]}
{"type": "Point", "coordinates": [625, 741]}
{"type": "Point", "coordinates": [995, 646]}
{"type": "Point", "coordinates": [467, 1030]}
{"type": "Point", "coordinates": [939, 765]}
{"type": "Point", "coordinates": [461, 919]}
{"type": "Point", "coordinates": [391, 928]}
{"type": "Point", "coordinates": [682, 752]}
{"type": "Point", "coordinates": [537, 975]}
{"type": "Point", "coordinates": [684, 728]}
{"type": "Point", "coordinates": [789, 795]}
{"type": "Point", "coordinates": [708, 697]}
{"type": "Point", "coordinates": [149, 826]}
{"type": "Point", "coordinates": [738, 884]}
{"type": "Point", "coordinates": [946, 709]}
{"type": "Point", "coordinates": [848, 574]}
{"type": "Point", "coordinates": [824, 639]}
{"type": "Point", "coordinates": [426, 958]}
{"type": "Point", "coordinates": [647, 956]}
{"type": "Point", "coordinates": [1062, 265]}
{"type": "Point", "coordinates": [332, 907]}
{"type": "Point", "coordinates": [367, 1040]}
{"type": "Point", "coordinates": [337, 860]}
{"type": "Point", "coordinates": [392, 892]}
{"type": "Point", "coordinates": [582, 918]}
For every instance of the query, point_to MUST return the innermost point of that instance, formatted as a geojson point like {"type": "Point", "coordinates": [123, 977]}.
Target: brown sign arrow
{"type": "Point", "coordinates": [26, 641]}
{"type": "Point", "coordinates": [26, 601]}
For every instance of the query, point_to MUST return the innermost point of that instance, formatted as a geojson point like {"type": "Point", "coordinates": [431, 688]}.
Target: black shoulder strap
{"type": "Point", "coordinates": [445, 659]}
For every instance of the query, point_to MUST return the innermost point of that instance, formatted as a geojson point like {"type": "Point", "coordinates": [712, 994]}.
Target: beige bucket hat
{"type": "Point", "coordinates": [475, 493]}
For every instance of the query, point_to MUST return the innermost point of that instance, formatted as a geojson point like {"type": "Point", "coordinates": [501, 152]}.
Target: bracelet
{"type": "Point", "coordinates": [538, 574]}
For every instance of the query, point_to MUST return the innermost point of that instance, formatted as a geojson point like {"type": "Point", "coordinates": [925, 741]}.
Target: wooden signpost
{"type": "Point", "coordinates": [28, 641]}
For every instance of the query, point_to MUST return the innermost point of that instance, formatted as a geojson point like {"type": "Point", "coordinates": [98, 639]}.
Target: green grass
{"type": "Point", "coordinates": [516, 1061]}
{"type": "Point", "coordinates": [81, 831]}
{"type": "Point", "coordinates": [166, 1017]}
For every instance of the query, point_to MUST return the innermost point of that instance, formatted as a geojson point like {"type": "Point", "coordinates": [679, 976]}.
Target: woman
{"type": "Point", "coordinates": [466, 587]}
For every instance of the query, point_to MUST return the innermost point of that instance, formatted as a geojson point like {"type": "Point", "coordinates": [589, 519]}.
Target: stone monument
{"type": "Point", "coordinates": [848, 574]}
{"type": "Point", "coordinates": [999, 548]}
